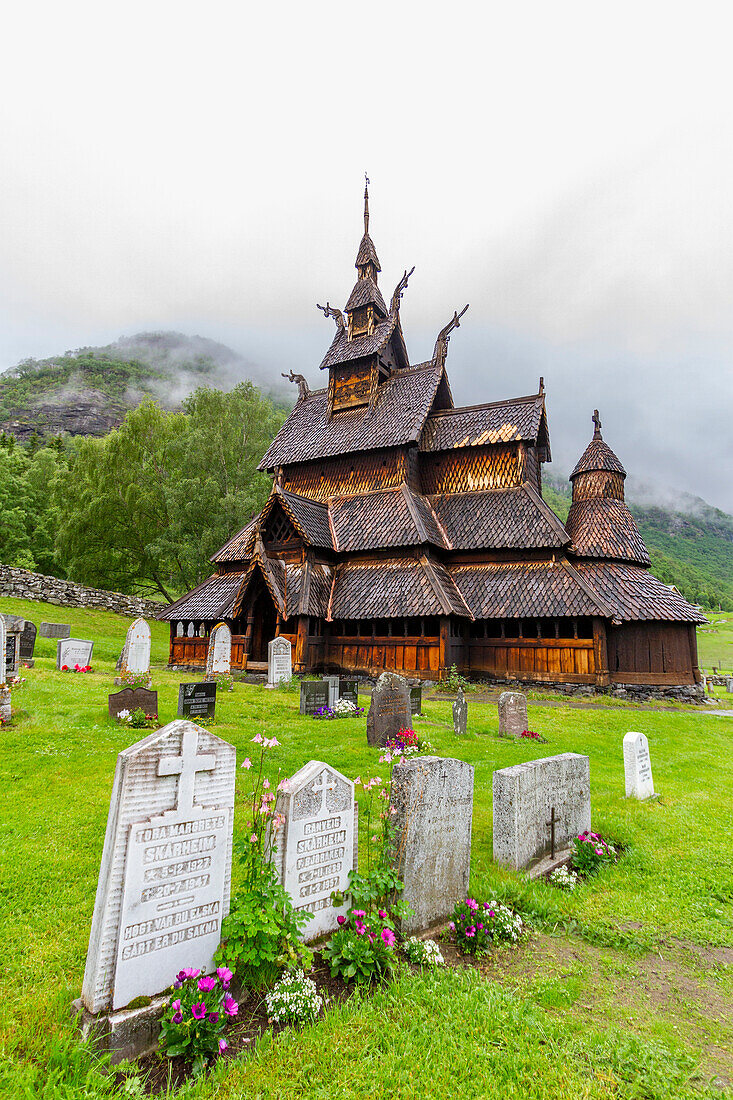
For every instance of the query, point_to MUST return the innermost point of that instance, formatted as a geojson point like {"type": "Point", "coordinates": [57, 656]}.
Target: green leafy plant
{"type": "Point", "coordinates": [361, 951]}
{"type": "Point", "coordinates": [591, 852]}
{"type": "Point", "coordinates": [195, 1017]}
{"type": "Point", "coordinates": [294, 1000]}
{"type": "Point", "coordinates": [224, 681]}
{"type": "Point", "coordinates": [136, 679]}
{"type": "Point", "coordinates": [478, 925]}
{"type": "Point", "coordinates": [453, 681]}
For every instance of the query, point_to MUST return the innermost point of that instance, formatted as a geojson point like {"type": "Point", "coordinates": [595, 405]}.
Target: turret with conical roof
{"type": "Point", "coordinates": [599, 522]}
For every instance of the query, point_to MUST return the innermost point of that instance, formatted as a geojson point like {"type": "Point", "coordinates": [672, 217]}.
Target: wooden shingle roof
{"type": "Point", "coordinates": [394, 587]}
{"type": "Point", "coordinates": [516, 518]}
{"type": "Point", "coordinates": [365, 292]}
{"type": "Point", "coordinates": [603, 527]}
{"type": "Point", "coordinates": [475, 426]}
{"type": "Point", "coordinates": [399, 411]}
{"type": "Point", "coordinates": [516, 590]}
{"type": "Point", "coordinates": [213, 599]}
{"type": "Point", "coordinates": [633, 593]}
{"type": "Point", "coordinates": [388, 518]}
{"type": "Point", "coordinates": [597, 456]}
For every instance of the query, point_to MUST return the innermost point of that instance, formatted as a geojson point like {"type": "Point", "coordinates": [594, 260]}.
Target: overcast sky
{"type": "Point", "coordinates": [565, 168]}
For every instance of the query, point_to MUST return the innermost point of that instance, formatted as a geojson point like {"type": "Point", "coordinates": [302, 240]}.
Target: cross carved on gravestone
{"type": "Point", "coordinates": [186, 766]}
{"type": "Point", "coordinates": [552, 823]}
{"type": "Point", "coordinates": [321, 786]}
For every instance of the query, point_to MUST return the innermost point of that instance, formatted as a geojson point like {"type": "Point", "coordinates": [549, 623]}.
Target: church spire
{"type": "Point", "coordinates": [365, 307]}
{"type": "Point", "coordinates": [366, 205]}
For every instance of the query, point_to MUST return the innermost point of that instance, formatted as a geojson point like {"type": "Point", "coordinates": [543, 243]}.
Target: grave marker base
{"type": "Point", "coordinates": [126, 1033]}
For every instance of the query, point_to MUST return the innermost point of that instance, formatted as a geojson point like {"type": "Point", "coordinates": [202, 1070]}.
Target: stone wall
{"type": "Point", "coordinates": [22, 584]}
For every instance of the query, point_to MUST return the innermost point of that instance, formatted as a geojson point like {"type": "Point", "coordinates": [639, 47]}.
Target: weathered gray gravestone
{"type": "Point", "coordinates": [460, 714]}
{"type": "Point", "coordinates": [433, 797]}
{"type": "Point", "coordinates": [197, 700]}
{"type": "Point", "coordinates": [389, 711]}
{"type": "Point", "coordinates": [136, 651]}
{"type": "Point", "coordinates": [313, 696]}
{"type": "Point", "coordinates": [28, 641]}
{"type": "Point", "coordinates": [279, 661]}
{"type": "Point", "coordinates": [14, 626]}
{"type": "Point", "coordinates": [349, 690]}
{"type": "Point", "coordinates": [54, 630]}
{"type": "Point", "coordinates": [5, 698]}
{"type": "Point", "coordinates": [540, 805]}
{"type": "Point", "coordinates": [132, 699]}
{"type": "Point", "coordinates": [637, 766]}
{"type": "Point", "coordinates": [73, 651]}
{"type": "Point", "coordinates": [165, 876]}
{"type": "Point", "coordinates": [219, 653]}
{"type": "Point", "coordinates": [318, 844]}
{"type": "Point", "coordinates": [333, 690]}
{"type": "Point", "coordinates": [416, 699]}
{"type": "Point", "coordinates": [512, 713]}
{"type": "Point", "coordinates": [729, 685]}
{"type": "Point", "coordinates": [190, 631]}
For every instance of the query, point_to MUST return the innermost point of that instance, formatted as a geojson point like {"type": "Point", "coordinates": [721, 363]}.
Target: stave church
{"type": "Point", "coordinates": [405, 533]}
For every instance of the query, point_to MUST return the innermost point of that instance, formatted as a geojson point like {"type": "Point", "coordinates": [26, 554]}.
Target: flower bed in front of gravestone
{"type": "Point", "coordinates": [591, 851]}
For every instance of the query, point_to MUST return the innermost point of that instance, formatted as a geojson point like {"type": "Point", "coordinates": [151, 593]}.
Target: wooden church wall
{"type": "Point", "coordinates": [347, 474]}
{"type": "Point", "coordinates": [651, 653]}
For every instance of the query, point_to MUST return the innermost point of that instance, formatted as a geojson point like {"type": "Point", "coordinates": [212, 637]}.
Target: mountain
{"type": "Point", "coordinates": [689, 542]}
{"type": "Point", "coordinates": [88, 391]}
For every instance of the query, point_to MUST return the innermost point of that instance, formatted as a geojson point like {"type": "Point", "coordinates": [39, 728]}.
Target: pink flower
{"type": "Point", "coordinates": [452, 926]}
{"type": "Point", "coordinates": [271, 743]}
{"type": "Point", "coordinates": [479, 926]}
{"type": "Point", "coordinates": [253, 838]}
{"type": "Point", "coordinates": [357, 781]}
{"type": "Point", "coordinates": [470, 932]}
{"type": "Point", "coordinates": [258, 739]}
{"type": "Point", "coordinates": [599, 851]}
{"type": "Point", "coordinates": [187, 973]}
{"type": "Point", "coordinates": [198, 1011]}
{"type": "Point", "coordinates": [341, 919]}
{"type": "Point", "coordinates": [177, 1018]}
{"type": "Point", "coordinates": [224, 975]}
{"type": "Point", "coordinates": [265, 784]}
{"type": "Point", "coordinates": [214, 1017]}
{"type": "Point", "coordinates": [382, 914]}
{"type": "Point", "coordinates": [472, 904]}
{"type": "Point", "coordinates": [491, 912]}
{"type": "Point", "coordinates": [246, 763]}
{"type": "Point", "coordinates": [388, 937]}
{"type": "Point", "coordinates": [284, 785]}
{"type": "Point", "coordinates": [222, 1045]}
{"type": "Point", "coordinates": [358, 913]}
{"type": "Point", "coordinates": [207, 984]}
{"type": "Point", "coordinates": [230, 1005]}
{"type": "Point", "coordinates": [278, 821]}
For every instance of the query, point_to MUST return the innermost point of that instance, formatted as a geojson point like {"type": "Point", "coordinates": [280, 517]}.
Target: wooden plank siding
{"type": "Point", "coordinates": [651, 653]}
{"type": "Point", "coordinates": [565, 660]}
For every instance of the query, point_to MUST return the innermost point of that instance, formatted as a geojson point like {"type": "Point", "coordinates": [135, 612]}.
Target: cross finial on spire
{"type": "Point", "coordinates": [366, 204]}
{"type": "Point", "coordinates": [597, 421]}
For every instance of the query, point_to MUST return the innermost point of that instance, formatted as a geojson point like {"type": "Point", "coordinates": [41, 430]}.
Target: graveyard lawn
{"type": "Point", "coordinates": [622, 991]}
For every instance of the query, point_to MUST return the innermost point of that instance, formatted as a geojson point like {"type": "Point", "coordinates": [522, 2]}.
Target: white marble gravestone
{"type": "Point", "coordinates": [433, 800]}
{"type": "Point", "coordinates": [279, 661]}
{"type": "Point", "coordinates": [179, 630]}
{"type": "Point", "coordinates": [165, 876]}
{"type": "Point", "coordinates": [637, 766]}
{"type": "Point", "coordinates": [136, 652]}
{"type": "Point", "coordinates": [3, 644]}
{"type": "Point", "coordinates": [219, 653]}
{"type": "Point", "coordinates": [318, 844]}
{"type": "Point", "coordinates": [534, 800]}
{"type": "Point", "coordinates": [190, 631]}
{"type": "Point", "coordinates": [73, 651]}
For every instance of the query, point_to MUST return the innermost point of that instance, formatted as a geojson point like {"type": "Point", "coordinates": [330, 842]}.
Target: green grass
{"type": "Point", "coordinates": [715, 642]}
{"type": "Point", "coordinates": [423, 1036]}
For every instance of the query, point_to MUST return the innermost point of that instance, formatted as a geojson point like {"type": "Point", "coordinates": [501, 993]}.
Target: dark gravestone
{"type": "Point", "coordinates": [349, 690]}
{"type": "Point", "coordinates": [133, 699]}
{"type": "Point", "coordinates": [11, 653]}
{"type": "Point", "coordinates": [313, 696]}
{"type": "Point", "coordinates": [389, 711]}
{"type": "Point", "coordinates": [28, 641]}
{"type": "Point", "coordinates": [416, 699]}
{"type": "Point", "coordinates": [197, 700]}
{"type": "Point", "coordinates": [460, 714]}
{"type": "Point", "coordinates": [54, 630]}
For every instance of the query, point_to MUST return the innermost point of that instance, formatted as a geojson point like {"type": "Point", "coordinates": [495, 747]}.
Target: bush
{"type": "Point", "coordinates": [359, 950]}
{"type": "Point", "coordinates": [478, 925]}
{"type": "Point", "coordinates": [194, 1020]}
{"type": "Point", "coordinates": [294, 1000]}
{"type": "Point", "coordinates": [422, 952]}
{"type": "Point", "coordinates": [591, 852]}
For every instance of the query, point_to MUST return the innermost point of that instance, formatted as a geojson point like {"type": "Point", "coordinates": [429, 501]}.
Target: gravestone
{"type": "Point", "coordinates": [3, 650]}
{"type": "Point", "coordinates": [179, 630]}
{"type": "Point", "coordinates": [460, 714]}
{"type": "Point", "coordinates": [219, 653]}
{"type": "Point", "coordinates": [333, 690]}
{"type": "Point", "coordinates": [136, 652]}
{"type": "Point", "coordinates": [279, 662]}
{"type": "Point", "coordinates": [313, 696]}
{"type": "Point", "coordinates": [14, 626]}
{"type": "Point", "coordinates": [539, 805]}
{"type": "Point", "coordinates": [389, 710]}
{"type": "Point", "coordinates": [54, 630]}
{"type": "Point", "coordinates": [433, 797]}
{"type": "Point", "coordinates": [5, 703]}
{"type": "Point", "coordinates": [729, 685]}
{"type": "Point", "coordinates": [190, 632]}
{"type": "Point", "coordinates": [132, 699]}
{"type": "Point", "coordinates": [197, 700]}
{"type": "Point", "coordinates": [512, 714]}
{"type": "Point", "coordinates": [416, 699]}
{"type": "Point", "coordinates": [73, 651]}
{"type": "Point", "coordinates": [165, 875]}
{"type": "Point", "coordinates": [637, 766]}
{"type": "Point", "coordinates": [318, 844]}
{"type": "Point", "coordinates": [349, 690]}
{"type": "Point", "coordinates": [28, 641]}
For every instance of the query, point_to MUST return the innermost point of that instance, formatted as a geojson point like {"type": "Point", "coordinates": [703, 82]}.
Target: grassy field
{"type": "Point", "coordinates": [715, 642]}
{"type": "Point", "coordinates": [624, 989]}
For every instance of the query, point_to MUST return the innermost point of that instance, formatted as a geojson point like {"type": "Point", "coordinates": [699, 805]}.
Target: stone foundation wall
{"type": "Point", "coordinates": [22, 584]}
{"type": "Point", "coordinates": [683, 693]}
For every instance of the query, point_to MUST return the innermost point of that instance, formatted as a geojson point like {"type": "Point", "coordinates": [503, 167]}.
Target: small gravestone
{"type": "Point", "coordinates": [460, 714]}
{"type": "Point", "coordinates": [512, 714]}
{"type": "Point", "coordinates": [389, 711]}
{"type": "Point", "coordinates": [11, 650]}
{"type": "Point", "coordinates": [132, 699]}
{"type": "Point", "coordinates": [190, 632]}
{"type": "Point", "coordinates": [5, 703]}
{"type": "Point", "coordinates": [416, 699]}
{"type": "Point", "coordinates": [54, 630]}
{"type": "Point", "coordinates": [318, 844]}
{"type": "Point", "coordinates": [313, 696]}
{"type": "Point", "coordinates": [637, 766]}
{"type": "Point", "coordinates": [433, 799]}
{"type": "Point", "coordinates": [279, 662]}
{"type": "Point", "coordinates": [349, 690]}
{"type": "Point", "coordinates": [136, 651]}
{"type": "Point", "coordinates": [540, 806]}
{"type": "Point", "coordinates": [197, 700]}
{"type": "Point", "coordinates": [165, 875]}
{"type": "Point", "coordinates": [4, 692]}
{"type": "Point", "coordinates": [73, 651]}
{"type": "Point", "coordinates": [333, 690]}
{"type": "Point", "coordinates": [179, 630]}
{"type": "Point", "coordinates": [219, 653]}
{"type": "Point", "coordinates": [729, 685]}
{"type": "Point", "coordinates": [28, 641]}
